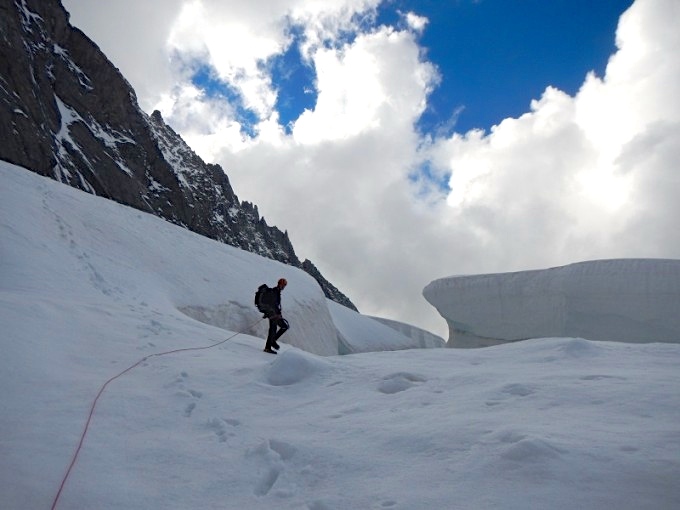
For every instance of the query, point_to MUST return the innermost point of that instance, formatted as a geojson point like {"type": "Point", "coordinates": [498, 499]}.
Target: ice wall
{"type": "Point", "coordinates": [626, 300]}
{"type": "Point", "coordinates": [361, 333]}
{"type": "Point", "coordinates": [58, 241]}
{"type": "Point", "coordinates": [421, 338]}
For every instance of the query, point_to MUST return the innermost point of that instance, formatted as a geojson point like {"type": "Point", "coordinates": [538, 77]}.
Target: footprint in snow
{"type": "Point", "coordinates": [517, 390]}
{"type": "Point", "coordinates": [274, 453]}
{"type": "Point", "coordinates": [398, 382]}
{"type": "Point", "coordinates": [220, 428]}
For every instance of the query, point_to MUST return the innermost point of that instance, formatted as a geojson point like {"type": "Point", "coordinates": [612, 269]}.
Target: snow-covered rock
{"type": "Point", "coordinates": [624, 300]}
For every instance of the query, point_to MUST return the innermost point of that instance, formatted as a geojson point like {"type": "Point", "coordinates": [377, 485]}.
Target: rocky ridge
{"type": "Point", "coordinates": [68, 113]}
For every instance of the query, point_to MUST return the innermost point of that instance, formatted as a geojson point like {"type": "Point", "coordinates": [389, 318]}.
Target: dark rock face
{"type": "Point", "coordinates": [329, 289]}
{"type": "Point", "coordinates": [67, 113]}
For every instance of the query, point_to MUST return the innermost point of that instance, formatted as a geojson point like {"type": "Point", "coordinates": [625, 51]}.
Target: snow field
{"type": "Point", "coordinates": [88, 288]}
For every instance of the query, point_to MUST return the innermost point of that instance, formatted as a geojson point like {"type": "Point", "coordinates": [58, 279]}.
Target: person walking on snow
{"type": "Point", "coordinates": [277, 324]}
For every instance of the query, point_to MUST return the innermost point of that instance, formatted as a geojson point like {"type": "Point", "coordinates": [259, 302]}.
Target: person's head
{"type": "Point", "coordinates": [282, 283]}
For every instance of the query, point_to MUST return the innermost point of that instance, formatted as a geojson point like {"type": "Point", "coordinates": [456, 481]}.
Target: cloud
{"type": "Point", "coordinates": [358, 187]}
{"type": "Point", "coordinates": [416, 22]}
{"type": "Point", "coordinates": [361, 88]}
{"type": "Point", "coordinates": [573, 178]}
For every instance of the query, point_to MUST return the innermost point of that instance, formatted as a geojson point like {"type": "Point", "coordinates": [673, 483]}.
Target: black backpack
{"type": "Point", "coordinates": [265, 299]}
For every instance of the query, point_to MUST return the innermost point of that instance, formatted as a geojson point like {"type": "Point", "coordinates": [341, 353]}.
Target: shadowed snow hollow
{"type": "Point", "coordinates": [625, 300]}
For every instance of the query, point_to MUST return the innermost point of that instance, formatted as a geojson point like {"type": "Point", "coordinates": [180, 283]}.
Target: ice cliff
{"type": "Point", "coordinates": [625, 300]}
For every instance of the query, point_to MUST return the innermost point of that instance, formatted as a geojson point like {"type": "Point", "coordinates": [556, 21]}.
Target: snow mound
{"type": "Point", "coordinates": [579, 348]}
{"type": "Point", "coordinates": [531, 450]}
{"type": "Point", "coordinates": [624, 300]}
{"type": "Point", "coordinates": [293, 366]}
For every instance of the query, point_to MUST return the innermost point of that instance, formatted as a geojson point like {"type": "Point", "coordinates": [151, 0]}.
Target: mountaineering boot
{"type": "Point", "coordinates": [276, 346]}
{"type": "Point", "coordinates": [270, 351]}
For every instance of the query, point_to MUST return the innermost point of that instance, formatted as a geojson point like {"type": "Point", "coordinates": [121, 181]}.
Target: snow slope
{"type": "Point", "coordinates": [424, 338]}
{"type": "Point", "coordinates": [93, 252]}
{"type": "Point", "coordinates": [624, 300]}
{"type": "Point", "coordinates": [119, 255]}
{"type": "Point", "coordinates": [88, 289]}
{"type": "Point", "coordinates": [360, 333]}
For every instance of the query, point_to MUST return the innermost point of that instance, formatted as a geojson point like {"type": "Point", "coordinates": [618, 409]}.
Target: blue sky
{"type": "Point", "coordinates": [496, 55]}
{"type": "Point", "coordinates": [493, 56]}
{"type": "Point", "coordinates": [205, 78]}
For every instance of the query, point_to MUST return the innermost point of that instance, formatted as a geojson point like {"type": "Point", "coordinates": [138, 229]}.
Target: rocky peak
{"type": "Point", "coordinates": [68, 113]}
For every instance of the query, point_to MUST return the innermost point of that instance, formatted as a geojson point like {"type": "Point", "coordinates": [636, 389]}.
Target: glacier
{"type": "Point", "coordinates": [623, 300]}
{"type": "Point", "coordinates": [199, 417]}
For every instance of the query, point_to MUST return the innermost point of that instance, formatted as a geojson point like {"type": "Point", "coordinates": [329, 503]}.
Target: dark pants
{"type": "Point", "coordinates": [277, 327]}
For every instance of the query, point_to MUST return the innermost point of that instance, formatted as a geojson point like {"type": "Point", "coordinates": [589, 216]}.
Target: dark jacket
{"type": "Point", "coordinates": [273, 300]}
{"type": "Point", "coordinates": [277, 302]}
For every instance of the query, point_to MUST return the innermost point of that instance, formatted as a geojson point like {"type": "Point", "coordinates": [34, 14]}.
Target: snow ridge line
{"type": "Point", "coordinates": [103, 387]}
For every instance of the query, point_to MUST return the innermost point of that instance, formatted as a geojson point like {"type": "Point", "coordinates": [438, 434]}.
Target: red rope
{"type": "Point", "coordinates": [103, 387]}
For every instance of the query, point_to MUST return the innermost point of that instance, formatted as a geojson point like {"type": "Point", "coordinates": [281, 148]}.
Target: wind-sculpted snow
{"type": "Point", "coordinates": [100, 251]}
{"type": "Point", "coordinates": [359, 333]}
{"type": "Point", "coordinates": [422, 338]}
{"type": "Point", "coordinates": [625, 300]}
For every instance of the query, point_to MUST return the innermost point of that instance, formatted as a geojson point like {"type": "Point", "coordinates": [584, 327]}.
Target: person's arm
{"type": "Point", "coordinates": [278, 306]}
